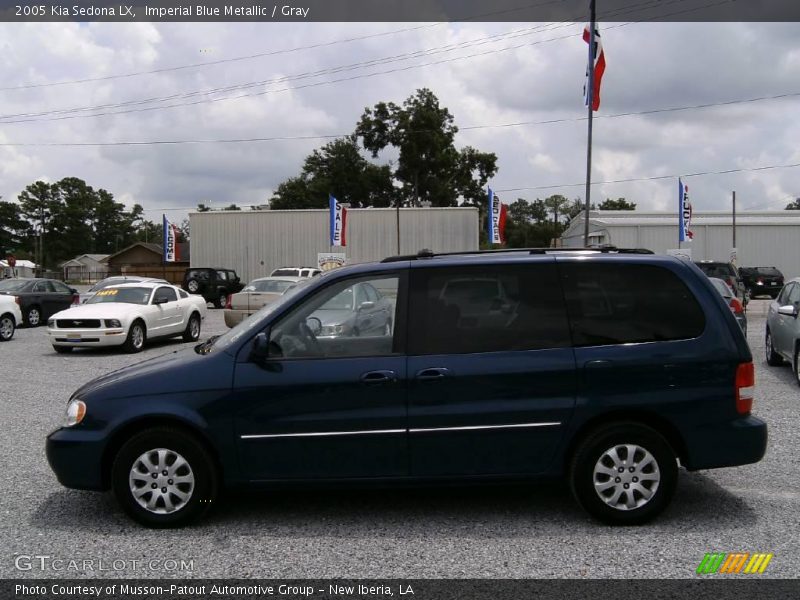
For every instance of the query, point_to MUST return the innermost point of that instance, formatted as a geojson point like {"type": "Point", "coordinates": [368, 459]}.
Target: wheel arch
{"type": "Point", "coordinates": [659, 424]}
{"type": "Point", "coordinates": [126, 431]}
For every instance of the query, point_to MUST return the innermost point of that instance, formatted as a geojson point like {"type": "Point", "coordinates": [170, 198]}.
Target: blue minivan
{"type": "Point", "coordinates": [608, 368]}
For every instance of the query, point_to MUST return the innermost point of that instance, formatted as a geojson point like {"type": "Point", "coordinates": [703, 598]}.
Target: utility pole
{"type": "Point", "coordinates": [589, 103]}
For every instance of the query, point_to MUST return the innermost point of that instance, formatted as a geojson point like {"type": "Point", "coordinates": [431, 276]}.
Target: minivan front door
{"type": "Point", "coordinates": [491, 369]}
{"type": "Point", "coordinates": [325, 404]}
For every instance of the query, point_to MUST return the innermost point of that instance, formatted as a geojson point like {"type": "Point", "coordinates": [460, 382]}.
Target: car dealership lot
{"type": "Point", "coordinates": [463, 532]}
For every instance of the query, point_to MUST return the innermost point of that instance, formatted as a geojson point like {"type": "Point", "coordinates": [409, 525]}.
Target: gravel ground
{"type": "Point", "coordinates": [498, 532]}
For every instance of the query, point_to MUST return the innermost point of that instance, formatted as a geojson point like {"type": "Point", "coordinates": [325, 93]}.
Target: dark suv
{"type": "Point", "coordinates": [761, 281]}
{"type": "Point", "coordinates": [729, 274]}
{"type": "Point", "coordinates": [601, 367]}
{"type": "Point", "coordinates": [213, 284]}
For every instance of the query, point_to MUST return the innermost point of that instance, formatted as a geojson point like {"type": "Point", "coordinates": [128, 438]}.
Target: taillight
{"type": "Point", "coordinates": [760, 281]}
{"type": "Point", "coordinates": [736, 306]}
{"type": "Point", "coordinates": [228, 302]}
{"type": "Point", "coordinates": [76, 299]}
{"type": "Point", "coordinates": [745, 386]}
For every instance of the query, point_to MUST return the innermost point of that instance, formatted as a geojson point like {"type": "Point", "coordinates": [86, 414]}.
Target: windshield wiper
{"type": "Point", "coordinates": [205, 347]}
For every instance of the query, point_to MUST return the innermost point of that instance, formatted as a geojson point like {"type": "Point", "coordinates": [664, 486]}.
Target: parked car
{"type": "Point", "coordinates": [760, 281]}
{"type": "Point", "coordinates": [729, 274]}
{"type": "Point", "coordinates": [782, 339]}
{"type": "Point", "coordinates": [39, 298]}
{"type": "Point", "coordinates": [296, 272]}
{"type": "Point", "coordinates": [611, 368]}
{"type": "Point", "coordinates": [128, 315]}
{"type": "Point", "coordinates": [10, 317]}
{"type": "Point", "coordinates": [358, 310]}
{"type": "Point", "coordinates": [116, 280]}
{"type": "Point", "coordinates": [256, 294]}
{"type": "Point", "coordinates": [732, 301]}
{"type": "Point", "coordinates": [212, 284]}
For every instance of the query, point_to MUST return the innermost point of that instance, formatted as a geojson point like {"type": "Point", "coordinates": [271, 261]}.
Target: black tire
{"type": "Point", "coordinates": [221, 299]}
{"type": "Point", "coordinates": [134, 343]}
{"type": "Point", "coordinates": [796, 365]}
{"type": "Point", "coordinates": [197, 492]}
{"type": "Point", "coordinates": [63, 349]}
{"type": "Point", "coordinates": [591, 453]}
{"type": "Point", "coordinates": [193, 286]}
{"type": "Point", "coordinates": [33, 316]}
{"type": "Point", "coordinates": [192, 334]}
{"type": "Point", "coordinates": [773, 358]}
{"type": "Point", "coordinates": [7, 327]}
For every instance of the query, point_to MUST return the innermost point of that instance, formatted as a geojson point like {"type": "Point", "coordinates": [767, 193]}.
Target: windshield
{"type": "Point", "coordinates": [12, 285]}
{"type": "Point", "coordinates": [244, 328]}
{"type": "Point", "coordinates": [341, 301]}
{"type": "Point", "coordinates": [101, 285]}
{"type": "Point", "coordinates": [133, 295]}
{"type": "Point", "coordinates": [265, 285]}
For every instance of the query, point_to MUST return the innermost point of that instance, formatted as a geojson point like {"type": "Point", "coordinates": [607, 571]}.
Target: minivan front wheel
{"type": "Point", "coordinates": [624, 473]}
{"type": "Point", "coordinates": [164, 477]}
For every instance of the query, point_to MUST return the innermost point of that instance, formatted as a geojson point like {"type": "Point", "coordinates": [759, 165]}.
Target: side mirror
{"type": "Point", "coordinates": [260, 349]}
{"type": "Point", "coordinates": [368, 305]}
{"type": "Point", "coordinates": [788, 310]}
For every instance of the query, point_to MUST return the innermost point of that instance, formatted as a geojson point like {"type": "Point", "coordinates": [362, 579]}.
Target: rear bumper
{"type": "Point", "coordinates": [76, 458]}
{"type": "Point", "coordinates": [233, 316]}
{"type": "Point", "coordinates": [739, 442]}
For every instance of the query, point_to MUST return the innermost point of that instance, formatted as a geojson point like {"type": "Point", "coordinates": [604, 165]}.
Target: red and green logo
{"type": "Point", "coordinates": [734, 562]}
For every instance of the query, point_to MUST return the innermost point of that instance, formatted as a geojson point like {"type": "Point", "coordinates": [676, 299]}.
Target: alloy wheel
{"type": "Point", "coordinates": [6, 328]}
{"type": "Point", "coordinates": [161, 481]}
{"type": "Point", "coordinates": [34, 316]}
{"type": "Point", "coordinates": [626, 477]}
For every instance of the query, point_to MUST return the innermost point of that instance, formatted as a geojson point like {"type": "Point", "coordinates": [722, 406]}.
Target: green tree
{"type": "Point", "coordinates": [14, 230]}
{"type": "Point", "coordinates": [429, 167]}
{"type": "Point", "coordinates": [795, 205]}
{"type": "Point", "coordinates": [231, 207]}
{"type": "Point", "coordinates": [618, 204]}
{"type": "Point", "coordinates": [203, 208]}
{"type": "Point", "coordinates": [337, 168]}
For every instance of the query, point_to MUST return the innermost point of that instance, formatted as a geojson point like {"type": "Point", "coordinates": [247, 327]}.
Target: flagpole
{"type": "Point", "coordinates": [589, 102]}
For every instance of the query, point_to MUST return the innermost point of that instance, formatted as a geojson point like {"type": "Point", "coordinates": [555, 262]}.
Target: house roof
{"type": "Point", "coordinates": [183, 250]}
{"type": "Point", "coordinates": [75, 262]}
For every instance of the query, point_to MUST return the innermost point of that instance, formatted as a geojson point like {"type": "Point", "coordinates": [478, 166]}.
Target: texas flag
{"type": "Point", "coordinates": [171, 252]}
{"type": "Point", "coordinates": [599, 58]}
{"type": "Point", "coordinates": [338, 222]}
{"type": "Point", "coordinates": [497, 219]}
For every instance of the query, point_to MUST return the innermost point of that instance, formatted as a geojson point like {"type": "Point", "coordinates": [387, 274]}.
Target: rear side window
{"type": "Point", "coordinates": [625, 303]}
{"type": "Point", "coordinates": [486, 309]}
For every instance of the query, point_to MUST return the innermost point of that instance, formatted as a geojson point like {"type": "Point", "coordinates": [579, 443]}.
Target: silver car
{"type": "Point", "coordinates": [783, 328]}
{"type": "Point", "coordinates": [359, 310]}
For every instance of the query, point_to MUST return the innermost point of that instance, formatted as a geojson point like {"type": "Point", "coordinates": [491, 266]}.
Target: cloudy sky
{"type": "Point", "coordinates": [488, 75]}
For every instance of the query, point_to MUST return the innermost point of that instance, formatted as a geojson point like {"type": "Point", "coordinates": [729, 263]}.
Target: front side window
{"type": "Point", "coordinates": [222, 275]}
{"type": "Point", "coordinates": [783, 298]}
{"type": "Point", "coordinates": [333, 324]}
{"type": "Point", "coordinates": [794, 295]}
{"type": "Point", "coordinates": [625, 303]}
{"type": "Point", "coordinates": [61, 288]}
{"type": "Point", "coordinates": [486, 309]}
{"type": "Point", "coordinates": [165, 292]}
{"type": "Point", "coordinates": [43, 287]}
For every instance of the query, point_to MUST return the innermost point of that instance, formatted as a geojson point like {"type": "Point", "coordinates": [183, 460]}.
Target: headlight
{"type": "Point", "coordinates": [76, 410]}
{"type": "Point", "coordinates": [112, 323]}
{"type": "Point", "coordinates": [51, 323]}
{"type": "Point", "coordinates": [332, 330]}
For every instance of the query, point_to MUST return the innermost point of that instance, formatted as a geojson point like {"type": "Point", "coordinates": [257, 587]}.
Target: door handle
{"type": "Point", "coordinates": [376, 377]}
{"type": "Point", "coordinates": [433, 374]}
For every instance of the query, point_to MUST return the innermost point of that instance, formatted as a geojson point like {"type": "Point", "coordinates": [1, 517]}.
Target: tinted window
{"type": "Point", "coordinates": [183, 294]}
{"type": "Point", "coordinates": [287, 272]}
{"type": "Point", "coordinates": [42, 287]}
{"type": "Point", "coordinates": [222, 275]}
{"type": "Point", "coordinates": [61, 288]}
{"type": "Point", "coordinates": [768, 272]}
{"type": "Point", "coordinates": [625, 303]}
{"type": "Point", "coordinates": [486, 309]}
{"type": "Point", "coordinates": [168, 293]}
{"type": "Point", "coordinates": [720, 270]}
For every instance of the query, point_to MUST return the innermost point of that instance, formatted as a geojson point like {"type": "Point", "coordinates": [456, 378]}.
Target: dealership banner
{"type": "Point", "coordinates": [684, 213]}
{"type": "Point", "coordinates": [338, 222]}
{"type": "Point", "coordinates": [497, 219]}
{"type": "Point", "coordinates": [171, 252]}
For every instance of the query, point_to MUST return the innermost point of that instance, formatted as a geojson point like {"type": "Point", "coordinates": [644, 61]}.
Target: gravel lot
{"type": "Point", "coordinates": [508, 532]}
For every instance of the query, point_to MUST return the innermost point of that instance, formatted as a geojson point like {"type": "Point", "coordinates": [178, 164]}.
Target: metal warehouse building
{"type": "Point", "coordinates": [763, 239]}
{"type": "Point", "coordinates": [256, 242]}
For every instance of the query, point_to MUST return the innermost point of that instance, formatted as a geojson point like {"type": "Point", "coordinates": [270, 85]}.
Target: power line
{"type": "Point", "coordinates": [271, 52]}
{"type": "Point", "coordinates": [339, 69]}
{"type": "Point", "coordinates": [637, 179]}
{"type": "Point", "coordinates": [467, 128]}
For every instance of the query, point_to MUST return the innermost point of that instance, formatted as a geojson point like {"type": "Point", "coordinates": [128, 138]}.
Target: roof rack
{"type": "Point", "coordinates": [605, 249]}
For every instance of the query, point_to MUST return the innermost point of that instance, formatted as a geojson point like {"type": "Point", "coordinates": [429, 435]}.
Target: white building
{"type": "Point", "coordinates": [763, 239]}
{"type": "Point", "coordinates": [85, 268]}
{"type": "Point", "coordinates": [23, 268]}
{"type": "Point", "coordinates": [255, 242]}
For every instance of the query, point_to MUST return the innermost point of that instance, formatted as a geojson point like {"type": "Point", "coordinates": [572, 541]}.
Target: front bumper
{"type": "Point", "coordinates": [95, 338]}
{"type": "Point", "coordinates": [739, 442]}
{"type": "Point", "coordinates": [76, 457]}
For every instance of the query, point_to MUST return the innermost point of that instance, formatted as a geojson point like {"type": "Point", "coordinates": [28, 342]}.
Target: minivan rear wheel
{"type": "Point", "coordinates": [164, 477]}
{"type": "Point", "coordinates": [796, 365]}
{"type": "Point", "coordinates": [773, 358]}
{"type": "Point", "coordinates": [624, 473]}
